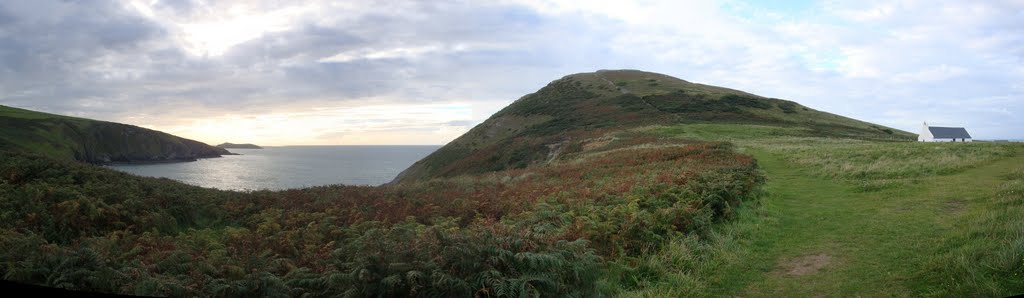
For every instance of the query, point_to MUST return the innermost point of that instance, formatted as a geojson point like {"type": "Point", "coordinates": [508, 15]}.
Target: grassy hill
{"type": "Point", "coordinates": [584, 110]}
{"type": "Point", "coordinates": [93, 141]}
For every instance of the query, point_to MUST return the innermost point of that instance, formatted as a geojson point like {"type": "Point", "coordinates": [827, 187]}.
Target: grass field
{"type": "Point", "coordinates": [860, 218]}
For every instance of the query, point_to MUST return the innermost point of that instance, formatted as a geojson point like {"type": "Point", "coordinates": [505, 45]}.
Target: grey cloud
{"type": "Point", "coordinates": [308, 43]}
{"type": "Point", "coordinates": [51, 61]}
{"type": "Point", "coordinates": [45, 60]}
{"type": "Point", "coordinates": [460, 123]}
{"type": "Point", "coordinates": [179, 7]}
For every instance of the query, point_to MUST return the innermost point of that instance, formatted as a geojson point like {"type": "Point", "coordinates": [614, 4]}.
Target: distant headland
{"type": "Point", "coordinates": [238, 146]}
{"type": "Point", "coordinates": [92, 141]}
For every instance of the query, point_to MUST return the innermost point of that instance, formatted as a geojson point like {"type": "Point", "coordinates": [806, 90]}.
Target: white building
{"type": "Point", "coordinates": [943, 134]}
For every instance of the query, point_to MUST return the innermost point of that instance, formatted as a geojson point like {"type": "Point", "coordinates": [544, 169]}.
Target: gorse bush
{"type": "Point", "coordinates": [790, 108]}
{"type": "Point", "coordinates": [551, 230]}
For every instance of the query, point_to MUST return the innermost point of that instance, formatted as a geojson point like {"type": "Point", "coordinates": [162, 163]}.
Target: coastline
{"type": "Point", "coordinates": [165, 161]}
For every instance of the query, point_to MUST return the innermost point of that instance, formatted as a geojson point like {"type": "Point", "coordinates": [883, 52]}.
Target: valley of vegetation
{"type": "Point", "coordinates": [556, 230]}
{"type": "Point", "coordinates": [614, 183]}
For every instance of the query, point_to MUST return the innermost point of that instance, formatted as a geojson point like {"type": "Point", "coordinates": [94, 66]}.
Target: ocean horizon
{"type": "Point", "coordinates": [289, 167]}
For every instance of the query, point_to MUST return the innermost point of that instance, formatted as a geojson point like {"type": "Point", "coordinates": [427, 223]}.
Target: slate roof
{"type": "Point", "coordinates": [949, 132]}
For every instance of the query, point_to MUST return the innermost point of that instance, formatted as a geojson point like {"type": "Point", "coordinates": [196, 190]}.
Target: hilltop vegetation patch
{"type": "Point", "coordinates": [787, 107]}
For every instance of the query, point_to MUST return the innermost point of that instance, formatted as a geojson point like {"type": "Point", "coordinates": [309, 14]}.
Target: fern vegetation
{"type": "Point", "coordinates": [565, 229]}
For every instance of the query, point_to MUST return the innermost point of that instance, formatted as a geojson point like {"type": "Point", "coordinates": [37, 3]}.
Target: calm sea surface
{"type": "Point", "coordinates": [287, 167]}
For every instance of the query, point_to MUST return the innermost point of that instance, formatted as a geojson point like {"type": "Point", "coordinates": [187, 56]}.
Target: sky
{"type": "Point", "coordinates": [424, 72]}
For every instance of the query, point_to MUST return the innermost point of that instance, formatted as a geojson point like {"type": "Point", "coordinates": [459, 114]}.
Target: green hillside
{"type": "Point", "coordinates": [585, 110]}
{"type": "Point", "coordinates": [93, 141]}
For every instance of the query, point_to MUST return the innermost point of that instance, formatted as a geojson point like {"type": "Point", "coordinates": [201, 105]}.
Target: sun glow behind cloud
{"type": "Point", "coordinates": [215, 38]}
{"type": "Point", "coordinates": [426, 124]}
{"type": "Point", "coordinates": [218, 28]}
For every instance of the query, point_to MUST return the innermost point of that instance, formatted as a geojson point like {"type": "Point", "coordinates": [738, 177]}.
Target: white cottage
{"type": "Point", "coordinates": [943, 134]}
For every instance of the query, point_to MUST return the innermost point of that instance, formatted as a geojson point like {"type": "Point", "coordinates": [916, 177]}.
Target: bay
{"type": "Point", "coordinates": [286, 167]}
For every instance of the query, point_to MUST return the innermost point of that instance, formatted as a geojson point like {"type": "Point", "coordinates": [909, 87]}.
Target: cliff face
{"type": "Point", "coordinates": [106, 142]}
{"type": "Point", "coordinates": [94, 141]}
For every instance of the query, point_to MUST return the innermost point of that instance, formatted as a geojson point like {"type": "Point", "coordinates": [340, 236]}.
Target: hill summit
{"type": "Point", "coordinates": [580, 110]}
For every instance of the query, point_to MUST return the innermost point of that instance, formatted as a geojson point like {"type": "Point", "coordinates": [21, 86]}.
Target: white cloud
{"type": "Point", "coordinates": [402, 52]}
{"type": "Point", "coordinates": [217, 27]}
{"type": "Point", "coordinates": [878, 61]}
{"type": "Point", "coordinates": [932, 74]}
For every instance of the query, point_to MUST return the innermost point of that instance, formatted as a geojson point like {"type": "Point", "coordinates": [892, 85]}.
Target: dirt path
{"type": "Point", "coordinates": [621, 89]}
{"type": "Point", "coordinates": [824, 237]}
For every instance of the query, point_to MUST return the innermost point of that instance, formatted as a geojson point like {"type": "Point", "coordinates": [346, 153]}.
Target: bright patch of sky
{"type": "Point", "coordinates": [770, 9]}
{"type": "Point", "coordinates": [423, 72]}
{"type": "Point", "coordinates": [791, 17]}
{"type": "Point", "coordinates": [389, 124]}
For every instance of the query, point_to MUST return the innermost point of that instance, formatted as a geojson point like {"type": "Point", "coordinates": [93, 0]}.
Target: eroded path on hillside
{"type": "Point", "coordinates": [827, 237]}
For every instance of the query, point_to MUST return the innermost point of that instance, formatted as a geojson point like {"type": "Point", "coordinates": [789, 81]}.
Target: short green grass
{"type": "Point", "coordinates": [859, 218]}
{"type": "Point", "coordinates": [37, 132]}
{"type": "Point", "coordinates": [986, 254]}
{"type": "Point", "coordinates": [13, 112]}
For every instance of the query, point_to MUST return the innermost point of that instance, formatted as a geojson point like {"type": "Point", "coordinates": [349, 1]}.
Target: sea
{"type": "Point", "coordinates": [287, 167]}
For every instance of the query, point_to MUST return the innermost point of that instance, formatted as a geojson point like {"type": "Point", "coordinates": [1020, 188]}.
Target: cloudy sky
{"type": "Point", "coordinates": [423, 72]}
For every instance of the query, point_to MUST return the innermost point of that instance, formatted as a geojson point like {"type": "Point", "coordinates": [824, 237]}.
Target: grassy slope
{"type": "Point", "coordinates": [877, 243]}
{"type": "Point", "coordinates": [866, 227]}
{"type": "Point", "coordinates": [582, 109]}
{"type": "Point", "coordinates": [93, 141]}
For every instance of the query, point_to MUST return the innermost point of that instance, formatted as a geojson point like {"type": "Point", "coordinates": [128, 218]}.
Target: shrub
{"type": "Point", "coordinates": [788, 107]}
